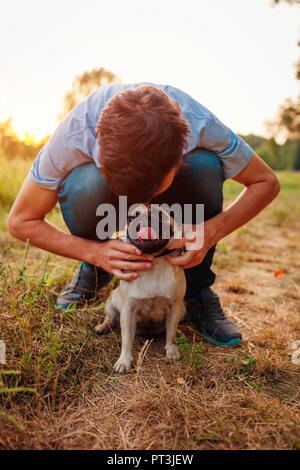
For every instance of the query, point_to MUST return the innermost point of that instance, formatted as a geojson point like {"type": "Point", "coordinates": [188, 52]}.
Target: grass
{"type": "Point", "coordinates": [58, 389]}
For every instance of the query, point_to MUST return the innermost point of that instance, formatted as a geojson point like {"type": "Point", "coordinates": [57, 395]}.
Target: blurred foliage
{"type": "Point", "coordinates": [291, 2]}
{"type": "Point", "coordinates": [85, 84]}
{"type": "Point", "coordinates": [13, 147]}
{"type": "Point", "coordinates": [288, 117]}
{"type": "Point", "coordinates": [279, 157]}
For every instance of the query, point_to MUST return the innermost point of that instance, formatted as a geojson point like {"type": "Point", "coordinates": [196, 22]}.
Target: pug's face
{"type": "Point", "coordinates": [150, 228]}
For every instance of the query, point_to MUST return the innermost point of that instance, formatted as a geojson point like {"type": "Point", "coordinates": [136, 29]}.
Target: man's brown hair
{"type": "Point", "coordinates": [142, 136]}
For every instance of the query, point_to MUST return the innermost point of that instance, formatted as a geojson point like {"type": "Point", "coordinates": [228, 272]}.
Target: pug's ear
{"type": "Point", "coordinates": [178, 230]}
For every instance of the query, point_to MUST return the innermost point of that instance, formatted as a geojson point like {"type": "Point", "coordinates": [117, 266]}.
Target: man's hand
{"type": "Point", "coordinates": [189, 259]}
{"type": "Point", "coordinates": [193, 256]}
{"type": "Point", "coordinates": [116, 256]}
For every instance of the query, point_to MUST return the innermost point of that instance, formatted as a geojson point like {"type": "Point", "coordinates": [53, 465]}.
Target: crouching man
{"type": "Point", "coordinates": [154, 144]}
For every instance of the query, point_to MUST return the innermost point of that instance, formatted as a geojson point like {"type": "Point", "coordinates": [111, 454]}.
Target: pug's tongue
{"type": "Point", "coordinates": [147, 233]}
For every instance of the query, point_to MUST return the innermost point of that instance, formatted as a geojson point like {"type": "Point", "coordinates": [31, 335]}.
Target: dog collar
{"type": "Point", "coordinates": [178, 251]}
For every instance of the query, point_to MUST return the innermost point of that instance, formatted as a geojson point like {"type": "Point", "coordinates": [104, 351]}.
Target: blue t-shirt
{"type": "Point", "coordinates": [75, 142]}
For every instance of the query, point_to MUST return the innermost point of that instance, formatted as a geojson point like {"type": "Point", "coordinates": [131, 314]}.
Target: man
{"type": "Point", "coordinates": [131, 139]}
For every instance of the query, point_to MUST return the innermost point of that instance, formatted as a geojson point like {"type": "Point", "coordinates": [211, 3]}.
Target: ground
{"type": "Point", "coordinates": [58, 389]}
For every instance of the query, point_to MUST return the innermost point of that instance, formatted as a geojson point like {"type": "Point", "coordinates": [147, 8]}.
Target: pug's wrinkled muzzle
{"type": "Point", "coordinates": [146, 238]}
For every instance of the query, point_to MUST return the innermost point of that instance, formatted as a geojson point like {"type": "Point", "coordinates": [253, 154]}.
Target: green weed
{"type": "Point", "coordinates": [191, 353]}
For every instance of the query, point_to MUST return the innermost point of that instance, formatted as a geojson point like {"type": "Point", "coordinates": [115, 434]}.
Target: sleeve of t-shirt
{"type": "Point", "coordinates": [62, 153]}
{"type": "Point", "coordinates": [233, 151]}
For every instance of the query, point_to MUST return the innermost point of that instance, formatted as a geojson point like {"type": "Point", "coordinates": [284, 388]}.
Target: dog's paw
{"type": "Point", "coordinates": [101, 328]}
{"type": "Point", "coordinates": [172, 353]}
{"type": "Point", "coordinates": [122, 365]}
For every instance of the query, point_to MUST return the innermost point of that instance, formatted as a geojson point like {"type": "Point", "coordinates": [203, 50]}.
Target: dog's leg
{"type": "Point", "coordinates": [183, 313]}
{"type": "Point", "coordinates": [128, 328]}
{"type": "Point", "coordinates": [172, 321]}
{"type": "Point", "coordinates": [111, 318]}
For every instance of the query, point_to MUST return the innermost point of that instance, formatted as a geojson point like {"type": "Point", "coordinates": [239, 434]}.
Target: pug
{"type": "Point", "coordinates": [153, 302]}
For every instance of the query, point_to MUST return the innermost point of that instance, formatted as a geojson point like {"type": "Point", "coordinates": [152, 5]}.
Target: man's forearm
{"type": "Point", "coordinates": [46, 236]}
{"type": "Point", "coordinates": [250, 202]}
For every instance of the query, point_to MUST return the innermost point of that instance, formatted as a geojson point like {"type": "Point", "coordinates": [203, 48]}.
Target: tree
{"type": "Point", "coordinates": [289, 117]}
{"type": "Point", "coordinates": [289, 112]}
{"type": "Point", "coordinates": [254, 140]}
{"type": "Point", "coordinates": [85, 84]}
{"type": "Point", "coordinates": [11, 146]}
{"type": "Point", "coordinates": [291, 2]}
{"type": "Point", "coordinates": [9, 142]}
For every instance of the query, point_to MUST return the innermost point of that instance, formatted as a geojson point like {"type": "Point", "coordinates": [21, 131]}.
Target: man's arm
{"type": "Point", "coordinates": [26, 220]}
{"type": "Point", "coordinates": [261, 187]}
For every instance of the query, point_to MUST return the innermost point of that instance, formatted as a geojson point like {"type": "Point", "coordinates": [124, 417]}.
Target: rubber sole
{"type": "Point", "coordinates": [60, 307]}
{"type": "Point", "coordinates": [235, 342]}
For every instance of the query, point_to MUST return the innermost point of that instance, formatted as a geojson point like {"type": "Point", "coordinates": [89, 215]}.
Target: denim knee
{"type": "Point", "coordinates": [79, 195]}
{"type": "Point", "coordinates": [198, 181]}
{"type": "Point", "coordinates": [204, 179]}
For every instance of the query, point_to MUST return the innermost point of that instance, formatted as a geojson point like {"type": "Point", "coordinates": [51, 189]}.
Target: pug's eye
{"type": "Point", "coordinates": [130, 218]}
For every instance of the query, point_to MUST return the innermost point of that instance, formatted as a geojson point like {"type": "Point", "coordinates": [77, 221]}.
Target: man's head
{"type": "Point", "coordinates": [142, 138]}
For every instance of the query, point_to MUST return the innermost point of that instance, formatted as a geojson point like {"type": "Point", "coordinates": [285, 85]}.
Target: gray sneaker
{"type": "Point", "coordinates": [84, 287]}
{"type": "Point", "coordinates": [207, 313]}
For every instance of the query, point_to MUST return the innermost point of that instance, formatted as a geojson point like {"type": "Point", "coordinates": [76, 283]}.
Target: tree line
{"type": "Point", "coordinates": [279, 157]}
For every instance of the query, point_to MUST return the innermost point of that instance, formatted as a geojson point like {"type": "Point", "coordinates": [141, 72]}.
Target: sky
{"type": "Point", "coordinates": [236, 57]}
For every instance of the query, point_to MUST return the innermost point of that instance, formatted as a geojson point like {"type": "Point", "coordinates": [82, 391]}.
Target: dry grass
{"type": "Point", "coordinates": [68, 396]}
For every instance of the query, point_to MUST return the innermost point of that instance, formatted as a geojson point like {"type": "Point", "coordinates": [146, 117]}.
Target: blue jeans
{"type": "Point", "coordinates": [199, 180]}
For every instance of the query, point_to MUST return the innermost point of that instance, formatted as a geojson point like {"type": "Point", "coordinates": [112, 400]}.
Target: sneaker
{"type": "Point", "coordinates": [84, 287]}
{"type": "Point", "coordinates": [207, 313]}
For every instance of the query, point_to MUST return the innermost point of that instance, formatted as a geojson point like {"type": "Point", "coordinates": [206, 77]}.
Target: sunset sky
{"type": "Point", "coordinates": [234, 56]}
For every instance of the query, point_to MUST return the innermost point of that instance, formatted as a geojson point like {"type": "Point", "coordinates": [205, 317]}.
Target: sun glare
{"type": "Point", "coordinates": [28, 137]}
